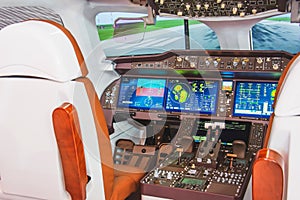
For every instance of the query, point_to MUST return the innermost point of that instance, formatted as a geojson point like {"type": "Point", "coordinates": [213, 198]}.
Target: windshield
{"type": "Point", "coordinates": [275, 33]}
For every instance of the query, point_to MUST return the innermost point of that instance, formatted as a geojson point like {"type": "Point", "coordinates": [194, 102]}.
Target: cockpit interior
{"type": "Point", "coordinates": [149, 99]}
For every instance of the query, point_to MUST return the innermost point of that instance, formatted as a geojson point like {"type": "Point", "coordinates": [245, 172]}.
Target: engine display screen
{"type": "Point", "coordinates": [141, 93]}
{"type": "Point", "coordinates": [192, 96]}
{"type": "Point", "coordinates": [254, 99]}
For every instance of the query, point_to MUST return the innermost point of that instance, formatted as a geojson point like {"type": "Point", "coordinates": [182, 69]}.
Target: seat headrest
{"type": "Point", "coordinates": [287, 100]}
{"type": "Point", "coordinates": [42, 49]}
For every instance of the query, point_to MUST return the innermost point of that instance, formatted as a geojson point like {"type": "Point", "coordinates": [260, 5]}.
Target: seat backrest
{"type": "Point", "coordinates": [283, 130]}
{"type": "Point", "coordinates": [42, 70]}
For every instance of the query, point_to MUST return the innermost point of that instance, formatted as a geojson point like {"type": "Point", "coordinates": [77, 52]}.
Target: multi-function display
{"type": "Point", "coordinates": [192, 96]}
{"type": "Point", "coordinates": [142, 93]}
{"type": "Point", "coordinates": [251, 98]}
{"type": "Point", "coordinates": [254, 99]}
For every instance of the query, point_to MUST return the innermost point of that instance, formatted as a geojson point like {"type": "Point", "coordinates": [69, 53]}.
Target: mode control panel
{"type": "Point", "coordinates": [211, 62]}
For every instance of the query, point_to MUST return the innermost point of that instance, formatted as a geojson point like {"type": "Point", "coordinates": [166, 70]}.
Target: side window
{"type": "Point", "coordinates": [276, 33]}
{"type": "Point", "coordinates": [166, 34]}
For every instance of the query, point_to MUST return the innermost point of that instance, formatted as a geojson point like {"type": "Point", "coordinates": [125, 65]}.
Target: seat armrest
{"type": "Point", "coordinates": [68, 137]}
{"type": "Point", "coordinates": [268, 175]}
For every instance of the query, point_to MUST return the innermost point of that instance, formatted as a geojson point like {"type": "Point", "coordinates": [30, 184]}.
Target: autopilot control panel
{"type": "Point", "coordinates": [206, 113]}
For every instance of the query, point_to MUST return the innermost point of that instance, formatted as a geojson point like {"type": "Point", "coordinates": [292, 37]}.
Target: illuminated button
{"type": "Point", "coordinates": [242, 14]}
{"type": "Point", "coordinates": [234, 10]}
{"type": "Point", "coordinates": [107, 94]}
{"type": "Point", "coordinates": [223, 5]}
{"type": "Point", "coordinates": [219, 1]}
{"type": "Point", "coordinates": [169, 175]}
{"type": "Point", "coordinates": [187, 6]}
{"type": "Point", "coordinates": [239, 5]}
{"type": "Point", "coordinates": [245, 61]}
{"type": "Point", "coordinates": [205, 173]}
{"type": "Point", "coordinates": [259, 60]}
{"type": "Point", "coordinates": [198, 6]}
{"type": "Point", "coordinates": [216, 63]}
{"type": "Point", "coordinates": [179, 59]}
{"type": "Point", "coordinates": [235, 62]}
{"type": "Point", "coordinates": [206, 6]}
{"type": "Point", "coordinates": [254, 11]}
{"type": "Point", "coordinates": [276, 66]}
{"type": "Point", "coordinates": [192, 171]}
{"type": "Point", "coordinates": [207, 63]}
{"type": "Point", "coordinates": [193, 65]}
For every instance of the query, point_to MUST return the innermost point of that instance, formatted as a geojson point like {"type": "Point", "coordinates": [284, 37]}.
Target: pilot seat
{"type": "Point", "coordinates": [275, 170]}
{"type": "Point", "coordinates": [54, 142]}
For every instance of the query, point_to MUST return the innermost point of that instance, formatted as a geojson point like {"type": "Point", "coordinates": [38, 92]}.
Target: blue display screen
{"type": "Point", "coordinates": [192, 96]}
{"type": "Point", "coordinates": [254, 99]}
{"type": "Point", "coordinates": [141, 93]}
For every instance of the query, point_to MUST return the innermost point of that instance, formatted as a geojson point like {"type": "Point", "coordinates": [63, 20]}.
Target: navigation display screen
{"type": "Point", "coordinates": [141, 93]}
{"type": "Point", "coordinates": [254, 99]}
{"type": "Point", "coordinates": [192, 96]}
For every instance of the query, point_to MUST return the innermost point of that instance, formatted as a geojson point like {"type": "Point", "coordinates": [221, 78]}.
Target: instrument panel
{"type": "Point", "coordinates": [272, 61]}
{"type": "Point", "coordinates": [206, 113]}
{"type": "Point", "coordinates": [213, 97]}
{"type": "Point", "coordinates": [235, 84]}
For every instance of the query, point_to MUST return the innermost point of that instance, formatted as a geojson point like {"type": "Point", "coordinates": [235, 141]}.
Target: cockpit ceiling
{"type": "Point", "coordinates": [195, 9]}
{"type": "Point", "coordinates": [12, 15]}
{"type": "Point", "coordinates": [120, 2]}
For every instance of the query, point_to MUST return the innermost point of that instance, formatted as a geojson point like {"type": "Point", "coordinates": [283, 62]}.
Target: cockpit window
{"type": "Point", "coordinates": [276, 33]}
{"type": "Point", "coordinates": [166, 34]}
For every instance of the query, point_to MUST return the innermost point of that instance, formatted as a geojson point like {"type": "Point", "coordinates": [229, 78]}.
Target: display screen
{"type": "Point", "coordinates": [234, 130]}
{"type": "Point", "coordinates": [141, 93]}
{"type": "Point", "coordinates": [192, 96]}
{"type": "Point", "coordinates": [254, 99]}
{"type": "Point", "coordinates": [227, 86]}
{"type": "Point", "coordinates": [193, 181]}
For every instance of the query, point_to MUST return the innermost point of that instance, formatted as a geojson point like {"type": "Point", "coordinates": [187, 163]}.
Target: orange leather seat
{"type": "Point", "coordinates": [275, 170]}
{"type": "Point", "coordinates": [267, 175]}
{"type": "Point", "coordinates": [54, 142]}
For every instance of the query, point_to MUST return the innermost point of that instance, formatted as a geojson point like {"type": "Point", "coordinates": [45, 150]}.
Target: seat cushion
{"type": "Point", "coordinates": [127, 179]}
{"type": "Point", "coordinates": [125, 170]}
{"type": "Point", "coordinates": [123, 187]}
